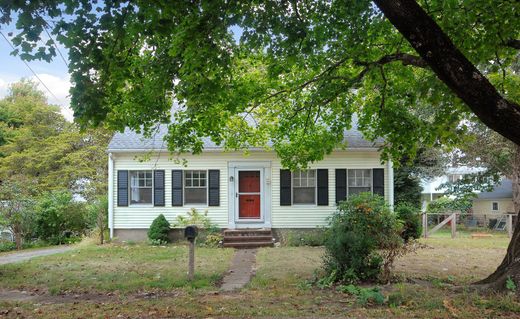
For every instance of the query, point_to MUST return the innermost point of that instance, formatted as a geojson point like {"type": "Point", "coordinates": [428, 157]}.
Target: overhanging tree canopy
{"type": "Point", "coordinates": [291, 71]}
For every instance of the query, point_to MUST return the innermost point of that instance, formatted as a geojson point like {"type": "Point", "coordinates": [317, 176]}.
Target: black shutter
{"type": "Point", "coordinates": [176, 187]}
{"type": "Point", "coordinates": [158, 188]}
{"type": "Point", "coordinates": [323, 187]}
{"type": "Point", "coordinates": [341, 185]}
{"type": "Point", "coordinates": [378, 179]}
{"type": "Point", "coordinates": [122, 188]}
{"type": "Point", "coordinates": [214, 187]}
{"type": "Point", "coordinates": [285, 187]}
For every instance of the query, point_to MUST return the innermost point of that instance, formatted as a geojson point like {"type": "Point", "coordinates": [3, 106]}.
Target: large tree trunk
{"type": "Point", "coordinates": [452, 67]}
{"type": "Point", "coordinates": [470, 85]}
{"type": "Point", "coordinates": [510, 266]}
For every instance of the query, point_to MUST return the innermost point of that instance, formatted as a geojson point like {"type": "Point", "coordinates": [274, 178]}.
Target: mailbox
{"type": "Point", "coordinates": [190, 232]}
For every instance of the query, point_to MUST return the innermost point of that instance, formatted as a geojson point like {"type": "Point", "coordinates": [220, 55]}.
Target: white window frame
{"type": "Point", "coordinates": [184, 188]}
{"type": "Point", "coordinates": [130, 187]}
{"type": "Point", "coordinates": [492, 207]}
{"type": "Point", "coordinates": [315, 187]}
{"type": "Point", "coordinates": [360, 169]}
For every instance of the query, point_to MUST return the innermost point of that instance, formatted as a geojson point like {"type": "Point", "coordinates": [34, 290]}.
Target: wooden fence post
{"type": "Point", "coordinates": [425, 224]}
{"type": "Point", "coordinates": [510, 225]}
{"type": "Point", "coordinates": [454, 225]}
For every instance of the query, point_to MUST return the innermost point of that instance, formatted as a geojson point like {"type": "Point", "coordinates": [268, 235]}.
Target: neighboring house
{"type": "Point", "coordinates": [238, 191]}
{"type": "Point", "coordinates": [432, 187]}
{"type": "Point", "coordinates": [492, 205]}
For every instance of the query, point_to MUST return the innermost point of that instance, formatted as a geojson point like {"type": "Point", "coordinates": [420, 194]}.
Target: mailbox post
{"type": "Point", "coordinates": [190, 233]}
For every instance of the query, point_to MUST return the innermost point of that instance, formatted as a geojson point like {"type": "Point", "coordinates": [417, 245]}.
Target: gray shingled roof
{"type": "Point", "coordinates": [502, 190]}
{"type": "Point", "coordinates": [130, 140]}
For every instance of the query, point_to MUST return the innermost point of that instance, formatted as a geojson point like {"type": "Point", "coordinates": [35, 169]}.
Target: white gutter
{"type": "Point", "coordinates": [115, 150]}
{"type": "Point", "coordinates": [111, 195]}
{"type": "Point", "coordinates": [390, 169]}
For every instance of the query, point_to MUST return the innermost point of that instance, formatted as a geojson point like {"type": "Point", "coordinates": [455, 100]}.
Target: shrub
{"type": "Point", "coordinates": [98, 217]}
{"type": "Point", "coordinates": [209, 233]}
{"type": "Point", "coordinates": [6, 245]}
{"type": "Point", "coordinates": [362, 227]}
{"type": "Point", "coordinates": [364, 296]}
{"type": "Point", "coordinates": [158, 232]}
{"type": "Point", "coordinates": [411, 219]}
{"type": "Point", "coordinates": [59, 219]}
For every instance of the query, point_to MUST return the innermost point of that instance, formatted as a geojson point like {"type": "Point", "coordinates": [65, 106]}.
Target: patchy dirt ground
{"type": "Point", "coordinates": [463, 264]}
{"type": "Point", "coordinates": [280, 287]}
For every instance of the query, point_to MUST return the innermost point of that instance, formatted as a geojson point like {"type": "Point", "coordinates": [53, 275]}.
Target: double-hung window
{"type": "Point", "coordinates": [304, 187]}
{"type": "Point", "coordinates": [141, 184]}
{"type": "Point", "coordinates": [359, 181]}
{"type": "Point", "coordinates": [494, 206]}
{"type": "Point", "coordinates": [195, 187]}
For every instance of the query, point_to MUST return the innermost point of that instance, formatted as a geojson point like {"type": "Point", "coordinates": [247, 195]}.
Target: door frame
{"type": "Point", "coordinates": [265, 194]}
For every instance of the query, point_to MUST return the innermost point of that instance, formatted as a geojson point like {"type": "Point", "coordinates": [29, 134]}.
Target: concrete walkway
{"type": "Point", "coordinates": [241, 271]}
{"type": "Point", "coordinates": [26, 255]}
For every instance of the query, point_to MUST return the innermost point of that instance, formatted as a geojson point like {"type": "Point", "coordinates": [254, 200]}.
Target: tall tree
{"type": "Point", "coordinates": [413, 72]}
{"type": "Point", "coordinates": [41, 145]}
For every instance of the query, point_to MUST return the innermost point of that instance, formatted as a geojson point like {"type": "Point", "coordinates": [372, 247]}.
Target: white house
{"type": "Point", "coordinates": [431, 188]}
{"type": "Point", "coordinates": [238, 191]}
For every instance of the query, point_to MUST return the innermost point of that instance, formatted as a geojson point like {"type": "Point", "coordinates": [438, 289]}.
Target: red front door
{"type": "Point", "coordinates": [249, 194]}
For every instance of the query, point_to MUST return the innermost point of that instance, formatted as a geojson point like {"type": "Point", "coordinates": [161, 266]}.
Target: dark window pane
{"type": "Point", "coordinates": [357, 190]}
{"type": "Point", "coordinates": [304, 195]}
{"type": "Point", "coordinates": [141, 195]}
{"type": "Point", "coordinates": [195, 195]}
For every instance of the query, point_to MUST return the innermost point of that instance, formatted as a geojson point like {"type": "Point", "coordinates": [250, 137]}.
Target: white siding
{"type": "Point", "coordinates": [282, 216]}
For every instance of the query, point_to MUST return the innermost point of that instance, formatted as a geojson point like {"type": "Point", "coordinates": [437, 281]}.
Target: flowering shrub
{"type": "Point", "coordinates": [360, 235]}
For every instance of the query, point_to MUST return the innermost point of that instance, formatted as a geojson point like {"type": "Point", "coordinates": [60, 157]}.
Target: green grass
{"type": "Point", "coordinates": [280, 287]}
{"type": "Point", "coordinates": [118, 268]}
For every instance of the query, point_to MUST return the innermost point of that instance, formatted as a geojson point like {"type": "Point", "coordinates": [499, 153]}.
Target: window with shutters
{"type": "Point", "coordinates": [195, 187]}
{"type": "Point", "coordinates": [304, 187]}
{"type": "Point", "coordinates": [359, 181]}
{"type": "Point", "coordinates": [141, 185]}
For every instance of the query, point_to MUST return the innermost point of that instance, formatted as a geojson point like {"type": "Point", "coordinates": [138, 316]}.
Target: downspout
{"type": "Point", "coordinates": [111, 195]}
{"type": "Point", "coordinates": [390, 169]}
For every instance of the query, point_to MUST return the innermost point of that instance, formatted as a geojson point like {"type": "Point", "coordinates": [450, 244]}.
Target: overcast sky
{"type": "Point", "coordinates": [53, 74]}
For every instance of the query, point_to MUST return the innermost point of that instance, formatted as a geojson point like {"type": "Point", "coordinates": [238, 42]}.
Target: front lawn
{"type": "Point", "coordinates": [281, 287]}
{"type": "Point", "coordinates": [116, 268]}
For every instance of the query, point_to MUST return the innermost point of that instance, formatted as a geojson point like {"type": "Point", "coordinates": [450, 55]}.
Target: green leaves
{"type": "Point", "coordinates": [286, 76]}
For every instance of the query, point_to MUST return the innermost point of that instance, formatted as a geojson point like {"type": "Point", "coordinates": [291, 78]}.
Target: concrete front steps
{"type": "Point", "coordinates": [248, 238]}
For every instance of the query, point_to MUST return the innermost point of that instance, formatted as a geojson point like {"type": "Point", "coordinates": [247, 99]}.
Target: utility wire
{"type": "Point", "coordinates": [29, 67]}
{"type": "Point", "coordinates": [36, 75]}
{"type": "Point", "coordinates": [54, 42]}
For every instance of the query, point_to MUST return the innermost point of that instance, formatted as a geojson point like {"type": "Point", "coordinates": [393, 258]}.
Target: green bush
{"type": "Point", "coordinates": [411, 219]}
{"type": "Point", "coordinates": [59, 219]}
{"type": "Point", "coordinates": [6, 245]}
{"type": "Point", "coordinates": [362, 227]}
{"type": "Point", "coordinates": [365, 296]}
{"type": "Point", "coordinates": [158, 232]}
{"type": "Point", "coordinates": [209, 233]}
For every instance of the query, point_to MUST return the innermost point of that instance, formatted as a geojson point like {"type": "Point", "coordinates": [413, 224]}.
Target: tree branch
{"type": "Point", "coordinates": [513, 43]}
{"type": "Point", "coordinates": [406, 59]}
{"type": "Point", "coordinates": [452, 67]}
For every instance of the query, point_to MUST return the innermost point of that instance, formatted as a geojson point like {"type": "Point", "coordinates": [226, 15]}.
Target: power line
{"type": "Point", "coordinates": [29, 67]}
{"type": "Point", "coordinates": [54, 42]}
